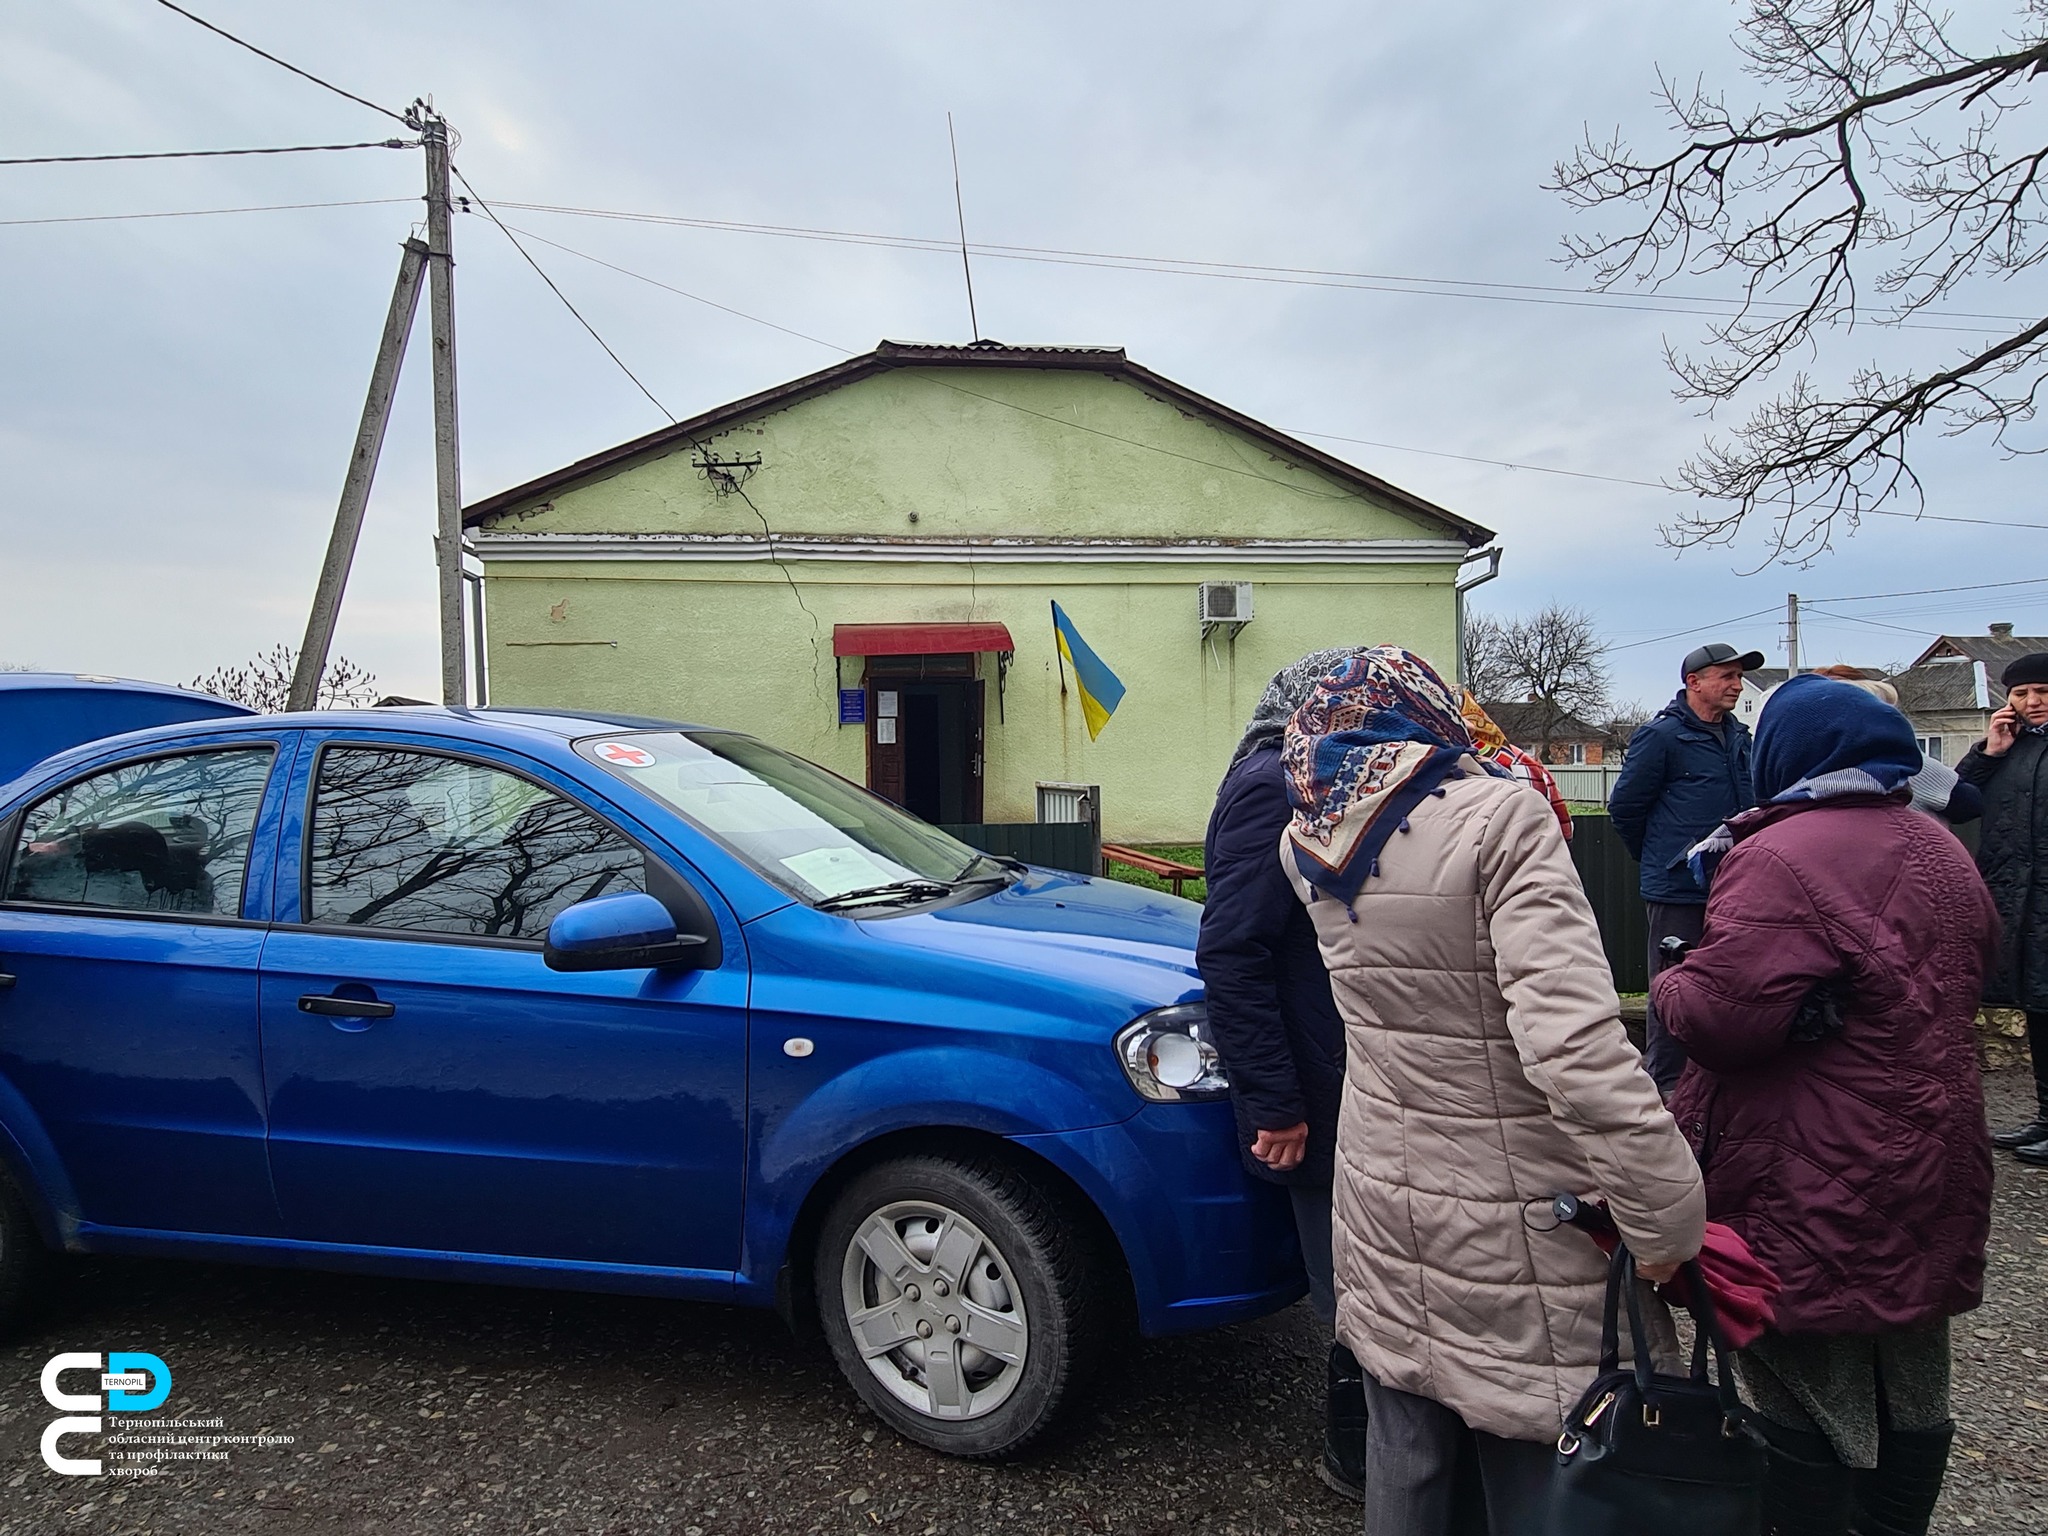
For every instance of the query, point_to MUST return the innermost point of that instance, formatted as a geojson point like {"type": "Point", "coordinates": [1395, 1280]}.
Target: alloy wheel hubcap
{"type": "Point", "coordinates": [934, 1311]}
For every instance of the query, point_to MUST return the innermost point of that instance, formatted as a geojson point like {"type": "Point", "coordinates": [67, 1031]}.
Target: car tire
{"type": "Point", "coordinates": [26, 1265]}
{"type": "Point", "coordinates": [980, 1379]}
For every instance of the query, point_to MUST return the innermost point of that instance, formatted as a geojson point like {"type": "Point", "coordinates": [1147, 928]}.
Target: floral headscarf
{"type": "Point", "coordinates": [1375, 738]}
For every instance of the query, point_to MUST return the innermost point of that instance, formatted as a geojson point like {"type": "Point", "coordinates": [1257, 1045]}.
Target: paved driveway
{"type": "Point", "coordinates": [417, 1407]}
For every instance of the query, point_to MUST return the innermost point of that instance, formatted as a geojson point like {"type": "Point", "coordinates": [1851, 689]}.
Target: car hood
{"type": "Point", "coordinates": [1131, 947]}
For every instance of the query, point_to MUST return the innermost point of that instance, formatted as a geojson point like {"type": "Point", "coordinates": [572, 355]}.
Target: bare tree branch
{"type": "Point", "coordinates": [1847, 182]}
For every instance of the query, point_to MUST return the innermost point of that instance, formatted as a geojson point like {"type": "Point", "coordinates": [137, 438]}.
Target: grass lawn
{"type": "Point", "coordinates": [1181, 853]}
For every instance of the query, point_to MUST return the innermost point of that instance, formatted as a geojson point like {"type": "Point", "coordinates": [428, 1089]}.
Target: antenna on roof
{"type": "Point", "coordinates": [961, 211]}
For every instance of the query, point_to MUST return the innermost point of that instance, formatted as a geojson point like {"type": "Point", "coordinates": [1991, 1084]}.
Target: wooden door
{"type": "Point", "coordinates": [885, 738]}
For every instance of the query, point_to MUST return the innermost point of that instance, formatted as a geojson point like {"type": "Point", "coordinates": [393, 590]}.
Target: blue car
{"type": "Point", "coordinates": [615, 1004]}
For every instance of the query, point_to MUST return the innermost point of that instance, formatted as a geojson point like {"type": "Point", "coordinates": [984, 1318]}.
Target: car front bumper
{"type": "Point", "coordinates": [1206, 1243]}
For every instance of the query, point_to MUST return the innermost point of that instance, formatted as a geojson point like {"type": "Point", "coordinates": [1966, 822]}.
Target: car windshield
{"type": "Point", "coordinates": [809, 831]}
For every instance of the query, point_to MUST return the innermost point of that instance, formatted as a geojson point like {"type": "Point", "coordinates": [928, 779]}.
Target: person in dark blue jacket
{"type": "Point", "coordinates": [1687, 772]}
{"type": "Point", "coordinates": [1272, 1019]}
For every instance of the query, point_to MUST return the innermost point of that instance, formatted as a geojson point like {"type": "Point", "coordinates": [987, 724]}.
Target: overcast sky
{"type": "Point", "coordinates": [179, 395]}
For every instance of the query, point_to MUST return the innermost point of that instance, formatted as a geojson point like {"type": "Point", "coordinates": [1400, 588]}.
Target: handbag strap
{"type": "Point", "coordinates": [1610, 1321]}
{"type": "Point", "coordinates": [1621, 1274]}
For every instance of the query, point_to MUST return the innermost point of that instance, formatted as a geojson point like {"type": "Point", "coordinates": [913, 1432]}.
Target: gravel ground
{"type": "Point", "coordinates": [419, 1407]}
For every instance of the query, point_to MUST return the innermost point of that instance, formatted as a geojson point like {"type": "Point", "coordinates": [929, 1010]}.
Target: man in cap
{"type": "Point", "coordinates": [2010, 767]}
{"type": "Point", "coordinates": [1687, 772]}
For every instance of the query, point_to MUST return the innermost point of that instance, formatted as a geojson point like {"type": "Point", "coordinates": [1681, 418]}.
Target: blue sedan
{"type": "Point", "coordinates": [615, 1004]}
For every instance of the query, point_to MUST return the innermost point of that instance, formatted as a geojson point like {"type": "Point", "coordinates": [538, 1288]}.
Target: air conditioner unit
{"type": "Point", "coordinates": [1225, 602]}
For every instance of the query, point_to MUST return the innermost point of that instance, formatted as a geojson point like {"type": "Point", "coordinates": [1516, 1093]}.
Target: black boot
{"type": "Point", "coordinates": [1807, 1490]}
{"type": "Point", "coordinates": [1897, 1499]}
{"type": "Point", "coordinates": [2035, 1130]}
{"type": "Point", "coordinates": [1343, 1465]}
{"type": "Point", "coordinates": [2034, 1155]}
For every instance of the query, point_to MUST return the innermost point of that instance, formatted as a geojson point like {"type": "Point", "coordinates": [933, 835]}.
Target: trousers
{"type": "Point", "coordinates": [1664, 1056]}
{"type": "Point", "coordinates": [1429, 1474]}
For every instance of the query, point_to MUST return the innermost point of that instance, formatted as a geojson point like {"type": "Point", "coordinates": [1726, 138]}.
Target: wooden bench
{"type": "Point", "coordinates": [1172, 871]}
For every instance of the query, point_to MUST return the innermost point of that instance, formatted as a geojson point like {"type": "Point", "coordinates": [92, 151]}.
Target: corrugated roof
{"type": "Point", "coordinates": [1941, 685]}
{"type": "Point", "coordinates": [978, 354]}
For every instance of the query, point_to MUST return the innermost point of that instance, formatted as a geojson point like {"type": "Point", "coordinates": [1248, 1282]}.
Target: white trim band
{"type": "Point", "coordinates": [997, 551]}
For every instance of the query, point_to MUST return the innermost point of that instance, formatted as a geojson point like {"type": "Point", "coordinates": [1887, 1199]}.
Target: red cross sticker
{"type": "Point", "coordinates": [626, 756]}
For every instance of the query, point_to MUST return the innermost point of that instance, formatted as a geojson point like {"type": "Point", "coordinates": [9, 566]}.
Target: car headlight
{"type": "Point", "coordinates": [1168, 1058]}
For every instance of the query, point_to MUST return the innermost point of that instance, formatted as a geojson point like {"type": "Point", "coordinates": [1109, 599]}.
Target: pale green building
{"type": "Point", "coordinates": [859, 566]}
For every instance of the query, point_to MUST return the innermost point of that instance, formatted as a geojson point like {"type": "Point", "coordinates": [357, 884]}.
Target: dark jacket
{"type": "Point", "coordinates": [1682, 779]}
{"type": "Point", "coordinates": [2012, 852]}
{"type": "Point", "coordinates": [1854, 1163]}
{"type": "Point", "coordinates": [1270, 1011]}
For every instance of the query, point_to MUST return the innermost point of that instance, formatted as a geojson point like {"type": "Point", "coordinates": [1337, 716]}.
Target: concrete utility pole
{"type": "Point", "coordinates": [447, 445]}
{"type": "Point", "coordinates": [1791, 634]}
{"type": "Point", "coordinates": [355, 486]}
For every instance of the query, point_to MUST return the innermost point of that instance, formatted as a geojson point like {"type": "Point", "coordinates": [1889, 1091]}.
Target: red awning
{"type": "Point", "coordinates": [919, 639]}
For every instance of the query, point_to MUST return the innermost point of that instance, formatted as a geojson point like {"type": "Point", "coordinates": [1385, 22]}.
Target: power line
{"type": "Point", "coordinates": [569, 250]}
{"type": "Point", "coordinates": [193, 213]}
{"type": "Point", "coordinates": [1935, 517]}
{"type": "Point", "coordinates": [767, 529]}
{"type": "Point", "coordinates": [1469, 458]}
{"type": "Point", "coordinates": [557, 292]}
{"type": "Point", "coordinates": [209, 154]}
{"type": "Point", "coordinates": [1980, 586]}
{"type": "Point", "coordinates": [1377, 282]}
{"type": "Point", "coordinates": [325, 85]}
{"type": "Point", "coordinates": [1851, 618]}
{"type": "Point", "coordinates": [1680, 634]}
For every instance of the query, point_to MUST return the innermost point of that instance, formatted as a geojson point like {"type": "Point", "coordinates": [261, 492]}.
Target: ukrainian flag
{"type": "Point", "coordinates": [1101, 689]}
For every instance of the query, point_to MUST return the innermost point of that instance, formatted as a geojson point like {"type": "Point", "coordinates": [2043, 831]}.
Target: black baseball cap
{"type": "Point", "coordinates": [1701, 657]}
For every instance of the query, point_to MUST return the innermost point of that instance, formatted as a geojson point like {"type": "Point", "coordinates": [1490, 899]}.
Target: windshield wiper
{"type": "Point", "coordinates": [894, 890]}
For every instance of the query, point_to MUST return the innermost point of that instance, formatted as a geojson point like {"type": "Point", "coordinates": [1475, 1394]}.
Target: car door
{"type": "Point", "coordinates": [433, 1085]}
{"type": "Point", "coordinates": [128, 972]}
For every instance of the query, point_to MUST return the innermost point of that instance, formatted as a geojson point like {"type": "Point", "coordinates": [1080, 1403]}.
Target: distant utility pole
{"type": "Point", "coordinates": [355, 486]}
{"type": "Point", "coordinates": [1791, 634]}
{"type": "Point", "coordinates": [433, 130]}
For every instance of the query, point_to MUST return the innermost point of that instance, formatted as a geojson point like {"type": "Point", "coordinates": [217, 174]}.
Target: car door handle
{"type": "Point", "coordinates": [6, 980]}
{"type": "Point", "coordinates": [331, 1007]}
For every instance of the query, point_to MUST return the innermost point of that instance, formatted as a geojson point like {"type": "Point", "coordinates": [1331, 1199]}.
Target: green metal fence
{"type": "Point", "coordinates": [1610, 875]}
{"type": "Point", "coordinates": [1070, 845]}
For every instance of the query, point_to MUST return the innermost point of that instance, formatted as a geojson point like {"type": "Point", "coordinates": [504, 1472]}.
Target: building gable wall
{"type": "Point", "coordinates": [947, 452]}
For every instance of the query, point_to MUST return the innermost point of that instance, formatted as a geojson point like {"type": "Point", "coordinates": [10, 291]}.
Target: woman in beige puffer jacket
{"type": "Point", "coordinates": [1487, 1069]}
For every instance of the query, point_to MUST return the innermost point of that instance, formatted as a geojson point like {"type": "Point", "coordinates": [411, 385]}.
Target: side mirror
{"type": "Point", "coordinates": [623, 932]}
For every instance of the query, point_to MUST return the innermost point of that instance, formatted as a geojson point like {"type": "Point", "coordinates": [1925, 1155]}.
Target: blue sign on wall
{"type": "Point", "coordinates": [853, 706]}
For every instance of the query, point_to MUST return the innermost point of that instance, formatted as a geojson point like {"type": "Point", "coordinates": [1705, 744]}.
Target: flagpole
{"type": "Point", "coordinates": [1059, 652]}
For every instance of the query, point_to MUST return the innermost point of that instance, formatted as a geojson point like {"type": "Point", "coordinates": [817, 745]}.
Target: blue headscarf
{"type": "Point", "coordinates": [1818, 738]}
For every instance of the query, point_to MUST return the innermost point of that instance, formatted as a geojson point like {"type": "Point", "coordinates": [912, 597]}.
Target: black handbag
{"type": "Point", "coordinates": [1644, 1452]}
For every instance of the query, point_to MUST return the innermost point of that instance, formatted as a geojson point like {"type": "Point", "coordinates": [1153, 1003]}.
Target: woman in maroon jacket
{"type": "Point", "coordinates": [1834, 1102]}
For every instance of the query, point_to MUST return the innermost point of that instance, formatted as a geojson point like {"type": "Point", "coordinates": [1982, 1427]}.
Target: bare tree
{"type": "Point", "coordinates": [1485, 669]}
{"type": "Point", "coordinates": [1874, 170]}
{"type": "Point", "coordinates": [264, 683]}
{"type": "Point", "coordinates": [1556, 660]}
{"type": "Point", "coordinates": [1624, 719]}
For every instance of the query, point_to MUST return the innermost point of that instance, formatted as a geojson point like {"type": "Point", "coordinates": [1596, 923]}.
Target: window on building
{"type": "Point", "coordinates": [411, 841]}
{"type": "Point", "coordinates": [1575, 753]}
{"type": "Point", "coordinates": [1930, 748]}
{"type": "Point", "coordinates": [168, 835]}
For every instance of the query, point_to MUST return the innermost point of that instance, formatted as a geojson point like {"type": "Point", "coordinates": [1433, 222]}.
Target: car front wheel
{"type": "Point", "coordinates": [961, 1300]}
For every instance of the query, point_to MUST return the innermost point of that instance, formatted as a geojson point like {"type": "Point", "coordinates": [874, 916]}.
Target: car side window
{"type": "Point", "coordinates": [168, 835]}
{"type": "Point", "coordinates": [428, 844]}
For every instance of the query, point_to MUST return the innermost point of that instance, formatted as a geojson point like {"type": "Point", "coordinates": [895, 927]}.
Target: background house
{"type": "Point", "coordinates": [859, 565]}
{"type": "Point", "coordinates": [1951, 689]}
{"type": "Point", "coordinates": [1555, 737]}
